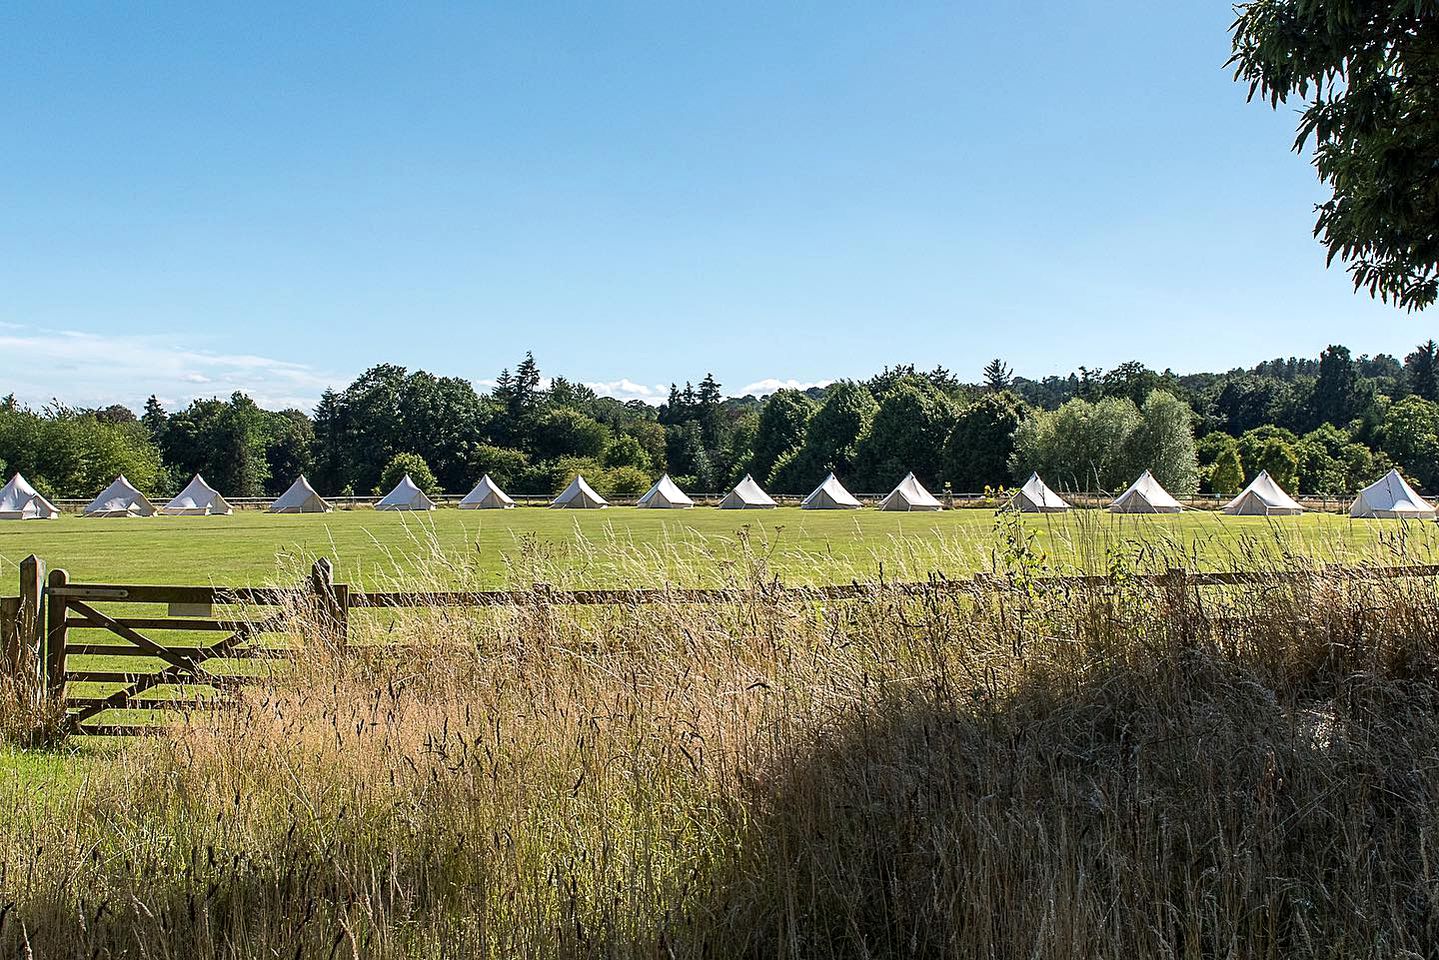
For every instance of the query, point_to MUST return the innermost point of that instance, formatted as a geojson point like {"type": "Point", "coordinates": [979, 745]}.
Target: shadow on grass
{"type": "Point", "coordinates": [1180, 809]}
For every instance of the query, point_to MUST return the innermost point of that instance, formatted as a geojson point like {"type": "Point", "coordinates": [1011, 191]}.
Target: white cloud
{"type": "Point", "coordinates": [762, 388]}
{"type": "Point", "coordinates": [90, 369]}
{"type": "Point", "coordinates": [626, 389]}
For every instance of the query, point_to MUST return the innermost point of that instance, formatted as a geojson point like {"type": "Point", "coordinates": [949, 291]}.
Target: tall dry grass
{"type": "Point", "coordinates": [1041, 772]}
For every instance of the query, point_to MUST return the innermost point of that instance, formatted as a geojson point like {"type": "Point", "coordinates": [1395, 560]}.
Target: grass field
{"type": "Point", "coordinates": [486, 548]}
{"type": "Point", "coordinates": [1102, 771]}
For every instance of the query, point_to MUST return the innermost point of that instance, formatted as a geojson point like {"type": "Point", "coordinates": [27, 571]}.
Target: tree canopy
{"type": "Point", "coordinates": [1368, 74]}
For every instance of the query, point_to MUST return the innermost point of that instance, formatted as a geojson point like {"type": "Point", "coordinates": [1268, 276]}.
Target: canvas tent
{"type": "Point", "coordinates": [1145, 496]}
{"type": "Point", "coordinates": [1263, 498]}
{"type": "Point", "coordinates": [120, 499]}
{"type": "Point", "coordinates": [830, 495]}
{"type": "Point", "coordinates": [1391, 499]}
{"type": "Point", "coordinates": [487, 495]}
{"type": "Point", "coordinates": [300, 498]}
{"type": "Point", "coordinates": [665, 495]}
{"type": "Point", "coordinates": [747, 495]}
{"type": "Point", "coordinates": [198, 499]}
{"type": "Point", "coordinates": [20, 501]}
{"type": "Point", "coordinates": [910, 495]}
{"type": "Point", "coordinates": [579, 496]}
{"type": "Point", "coordinates": [1036, 497]}
{"type": "Point", "coordinates": [406, 496]}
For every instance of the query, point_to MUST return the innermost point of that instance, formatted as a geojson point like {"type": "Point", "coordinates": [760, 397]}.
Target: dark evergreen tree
{"type": "Point", "coordinates": [154, 418]}
{"type": "Point", "coordinates": [997, 375]}
{"type": "Point", "coordinates": [977, 451]}
{"type": "Point", "coordinates": [1421, 370]}
{"type": "Point", "coordinates": [1336, 389]}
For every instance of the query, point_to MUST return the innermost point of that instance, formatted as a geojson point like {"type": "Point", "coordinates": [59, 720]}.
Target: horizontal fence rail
{"type": "Point", "coordinates": [226, 624]}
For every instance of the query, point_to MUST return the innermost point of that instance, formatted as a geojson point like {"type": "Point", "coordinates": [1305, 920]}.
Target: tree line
{"type": "Point", "coordinates": [1320, 426]}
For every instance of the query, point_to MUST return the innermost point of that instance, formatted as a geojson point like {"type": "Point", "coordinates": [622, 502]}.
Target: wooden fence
{"type": "Point", "coordinates": [38, 650]}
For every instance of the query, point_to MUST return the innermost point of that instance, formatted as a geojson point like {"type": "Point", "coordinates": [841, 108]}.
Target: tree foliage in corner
{"type": "Point", "coordinates": [1368, 72]}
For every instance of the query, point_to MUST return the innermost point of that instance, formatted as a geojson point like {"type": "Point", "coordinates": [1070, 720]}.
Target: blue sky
{"type": "Point", "coordinates": [274, 197]}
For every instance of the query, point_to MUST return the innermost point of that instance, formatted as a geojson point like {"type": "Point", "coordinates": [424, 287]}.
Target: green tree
{"type": "Point", "coordinates": [782, 423]}
{"type": "Point", "coordinates": [440, 419]}
{"type": "Point", "coordinates": [998, 375]}
{"type": "Point", "coordinates": [289, 445]}
{"type": "Point", "coordinates": [1421, 370]}
{"type": "Point", "coordinates": [687, 455]}
{"type": "Point", "coordinates": [626, 451]}
{"type": "Point", "coordinates": [1134, 380]}
{"type": "Point", "coordinates": [1280, 460]}
{"type": "Point", "coordinates": [907, 433]}
{"type": "Point", "coordinates": [66, 453]}
{"type": "Point", "coordinates": [1331, 463]}
{"type": "Point", "coordinates": [412, 464]}
{"type": "Point", "coordinates": [1226, 476]}
{"type": "Point", "coordinates": [1410, 437]}
{"type": "Point", "coordinates": [708, 400]}
{"type": "Point", "coordinates": [732, 461]}
{"type": "Point", "coordinates": [831, 438]}
{"type": "Point", "coordinates": [505, 466]}
{"type": "Point", "coordinates": [1163, 443]}
{"type": "Point", "coordinates": [1081, 446]}
{"type": "Point", "coordinates": [1368, 74]}
{"type": "Point", "coordinates": [626, 482]}
{"type": "Point", "coordinates": [154, 418]}
{"type": "Point", "coordinates": [650, 435]}
{"type": "Point", "coordinates": [1246, 400]}
{"type": "Point", "coordinates": [333, 469]}
{"type": "Point", "coordinates": [565, 432]}
{"type": "Point", "coordinates": [1253, 443]}
{"type": "Point", "coordinates": [1336, 391]}
{"type": "Point", "coordinates": [978, 449]}
{"type": "Point", "coordinates": [226, 441]}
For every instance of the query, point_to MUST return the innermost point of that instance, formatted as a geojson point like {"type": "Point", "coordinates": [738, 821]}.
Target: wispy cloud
{"type": "Point", "coordinates": [91, 369]}
{"type": "Point", "coordinates": [95, 369]}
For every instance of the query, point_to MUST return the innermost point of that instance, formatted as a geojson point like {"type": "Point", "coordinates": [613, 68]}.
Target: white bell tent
{"type": "Point", "coordinates": [1145, 496]}
{"type": "Point", "coordinates": [747, 495]}
{"type": "Point", "coordinates": [120, 499]}
{"type": "Point", "coordinates": [20, 501]}
{"type": "Point", "coordinates": [665, 495]}
{"type": "Point", "coordinates": [910, 495]}
{"type": "Point", "coordinates": [300, 498]}
{"type": "Point", "coordinates": [1036, 497]}
{"type": "Point", "coordinates": [579, 496]}
{"type": "Point", "coordinates": [487, 495]}
{"type": "Point", "coordinates": [406, 496]}
{"type": "Point", "coordinates": [830, 495]}
{"type": "Point", "coordinates": [1263, 498]}
{"type": "Point", "coordinates": [198, 499]}
{"type": "Point", "coordinates": [1391, 498]}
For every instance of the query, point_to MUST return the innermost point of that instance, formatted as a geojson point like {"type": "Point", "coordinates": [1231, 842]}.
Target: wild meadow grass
{"type": "Point", "coordinates": [1033, 770]}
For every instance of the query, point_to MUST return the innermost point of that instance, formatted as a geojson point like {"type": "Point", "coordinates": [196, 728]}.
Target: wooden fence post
{"type": "Point", "coordinates": [10, 636]}
{"type": "Point", "coordinates": [55, 637]}
{"type": "Point", "coordinates": [1175, 584]}
{"type": "Point", "coordinates": [332, 601]}
{"type": "Point", "coordinates": [30, 619]}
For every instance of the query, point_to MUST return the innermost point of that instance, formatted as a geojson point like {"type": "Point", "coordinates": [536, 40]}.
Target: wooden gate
{"type": "Point", "coordinates": [118, 664]}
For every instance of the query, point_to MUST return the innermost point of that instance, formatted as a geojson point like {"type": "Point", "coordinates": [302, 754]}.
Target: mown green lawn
{"type": "Point", "coordinates": [624, 545]}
